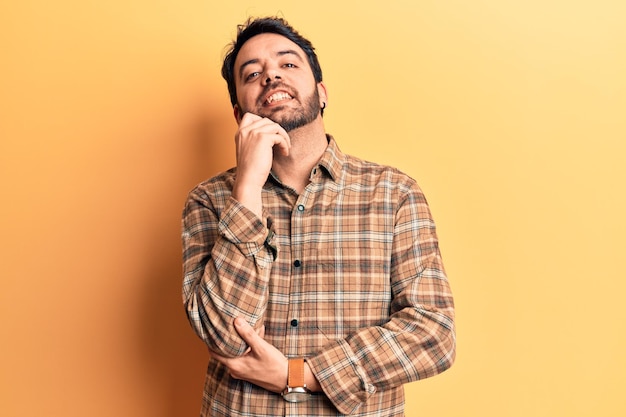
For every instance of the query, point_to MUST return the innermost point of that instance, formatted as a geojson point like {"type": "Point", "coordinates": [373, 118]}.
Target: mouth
{"type": "Point", "coordinates": [277, 97]}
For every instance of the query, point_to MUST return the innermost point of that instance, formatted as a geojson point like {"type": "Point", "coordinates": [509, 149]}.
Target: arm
{"type": "Point", "coordinates": [228, 243]}
{"type": "Point", "coordinates": [418, 340]}
{"type": "Point", "coordinates": [263, 364]}
{"type": "Point", "coordinates": [227, 257]}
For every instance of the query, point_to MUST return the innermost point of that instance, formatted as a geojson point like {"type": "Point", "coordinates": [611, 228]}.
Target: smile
{"type": "Point", "coordinates": [278, 96]}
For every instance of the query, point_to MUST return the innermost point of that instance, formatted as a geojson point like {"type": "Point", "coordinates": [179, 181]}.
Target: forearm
{"type": "Point", "coordinates": [217, 299]}
{"type": "Point", "coordinates": [384, 357]}
{"type": "Point", "coordinates": [249, 195]}
{"type": "Point", "coordinates": [226, 270]}
{"type": "Point", "coordinates": [416, 341]}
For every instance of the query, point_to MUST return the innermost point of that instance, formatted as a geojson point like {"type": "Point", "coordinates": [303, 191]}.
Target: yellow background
{"type": "Point", "coordinates": [510, 114]}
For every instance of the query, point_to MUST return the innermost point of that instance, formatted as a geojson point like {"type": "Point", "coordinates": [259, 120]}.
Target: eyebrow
{"type": "Point", "coordinates": [279, 54]}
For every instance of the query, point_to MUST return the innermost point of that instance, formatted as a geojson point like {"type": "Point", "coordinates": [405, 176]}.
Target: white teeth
{"type": "Point", "coordinates": [277, 97]}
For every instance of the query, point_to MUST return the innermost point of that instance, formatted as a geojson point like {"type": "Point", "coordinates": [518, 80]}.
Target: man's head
{"type": "Point", "coordinates": [254, 27]}
{"type": "Point", "coordinates": [271, 76]}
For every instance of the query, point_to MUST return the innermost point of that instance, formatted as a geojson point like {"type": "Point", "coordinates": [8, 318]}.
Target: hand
{"type": "Point", "coordinates": [255, 141]}
{"type": "Point", "coordinates": [262, 364]}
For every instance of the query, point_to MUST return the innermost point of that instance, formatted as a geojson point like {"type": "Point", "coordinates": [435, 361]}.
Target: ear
{"type": "Point", "coordinates": [237, 113]}
{"type": "Point", "coordinates": [323, 93]}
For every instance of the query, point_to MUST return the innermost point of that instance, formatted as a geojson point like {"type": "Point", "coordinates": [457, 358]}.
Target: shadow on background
{"type": "Point", "coordinates": [174, 356]}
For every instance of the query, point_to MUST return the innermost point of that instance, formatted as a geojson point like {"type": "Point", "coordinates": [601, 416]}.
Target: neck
{"type": "Point", "coordinates": [308, 144]}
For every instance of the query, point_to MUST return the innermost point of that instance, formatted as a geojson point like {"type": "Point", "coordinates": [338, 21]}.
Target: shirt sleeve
{"type": "Point", "coordinates": [418, 341]}
{"type": "Point", "coordinates": [227, 257]}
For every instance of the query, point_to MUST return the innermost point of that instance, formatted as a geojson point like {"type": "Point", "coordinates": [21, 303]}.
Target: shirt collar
{"type": "Point", "coordinates": [332, 160]}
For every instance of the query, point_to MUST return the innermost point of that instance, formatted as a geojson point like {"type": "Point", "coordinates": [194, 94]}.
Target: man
{"type": "Point", "coordinates": [314, 277]}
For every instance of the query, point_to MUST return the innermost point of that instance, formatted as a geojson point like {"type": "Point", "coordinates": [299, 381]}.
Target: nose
{"type": "Point", "coordinates": [271, 75]}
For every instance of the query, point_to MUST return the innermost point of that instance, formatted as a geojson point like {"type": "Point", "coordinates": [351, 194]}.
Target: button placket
{"type": "Point", "coordinates": [293, 319]}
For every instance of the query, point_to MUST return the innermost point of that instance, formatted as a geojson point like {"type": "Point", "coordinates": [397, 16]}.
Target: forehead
{"type": "Point", "coordinates": [266, 46]}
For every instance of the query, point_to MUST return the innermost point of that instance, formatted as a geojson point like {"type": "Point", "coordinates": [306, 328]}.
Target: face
{"type": "Point", "coordinates": [274, 80]}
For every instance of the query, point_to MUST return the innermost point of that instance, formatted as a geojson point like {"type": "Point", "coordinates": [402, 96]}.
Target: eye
{"type": "Point", "coordinates": [289, 65]}
{"type": "Point", "coordinates": [252, 75]}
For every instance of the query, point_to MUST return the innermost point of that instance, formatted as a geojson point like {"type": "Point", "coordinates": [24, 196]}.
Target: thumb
{"type": "Point", "coordinates": [246, 332]}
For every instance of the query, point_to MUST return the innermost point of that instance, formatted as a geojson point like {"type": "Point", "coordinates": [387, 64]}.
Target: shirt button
{"type": "Point", "coordinates": [300, 207]}
{"type": "Point", "coordinates": [294, 323]}
{"type": "Point", "coordinates": [297, 263]}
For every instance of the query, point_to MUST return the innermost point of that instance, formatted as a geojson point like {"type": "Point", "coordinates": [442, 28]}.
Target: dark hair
{"type": "Point", "coordinates": [258, 26]}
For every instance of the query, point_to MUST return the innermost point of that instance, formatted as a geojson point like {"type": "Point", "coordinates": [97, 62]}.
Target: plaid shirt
{"type": "Point", "coordinates": [347, 274]}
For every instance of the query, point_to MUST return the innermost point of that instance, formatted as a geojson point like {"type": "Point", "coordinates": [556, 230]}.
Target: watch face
{"type": "Point", "coordinates": [296, 395]}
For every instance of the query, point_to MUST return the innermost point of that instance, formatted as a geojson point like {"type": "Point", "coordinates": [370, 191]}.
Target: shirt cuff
{"type": "Point", "coordinates": [342, 379]}
{"type": "Point", "coordinates": [254, 237]}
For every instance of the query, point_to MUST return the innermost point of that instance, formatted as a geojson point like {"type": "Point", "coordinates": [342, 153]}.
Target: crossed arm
{"type": "Point", "coordinates": [262, 364]}
{"type": "Point", "coordinates": [225, 244]}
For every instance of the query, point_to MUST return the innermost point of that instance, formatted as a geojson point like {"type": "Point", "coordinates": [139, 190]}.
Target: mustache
{"type": "Point", "coordinates": [275, 86]}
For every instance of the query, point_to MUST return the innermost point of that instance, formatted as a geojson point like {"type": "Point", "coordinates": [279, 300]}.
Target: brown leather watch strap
{"type": "Point", "coordinates": [295, 376]}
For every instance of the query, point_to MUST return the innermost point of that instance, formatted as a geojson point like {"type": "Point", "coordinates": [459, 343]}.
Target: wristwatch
{"type": "Point", "coordinates": [296, 391]}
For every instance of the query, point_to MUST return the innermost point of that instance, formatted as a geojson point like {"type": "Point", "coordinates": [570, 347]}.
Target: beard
{"type": "Point", "coordinates": [295, 119]}
{"type": "Point", "coordinates": [291, 119]}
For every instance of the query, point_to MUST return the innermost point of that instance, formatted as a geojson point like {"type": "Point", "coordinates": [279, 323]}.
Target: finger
{"type": "Point", "coordinates": [247, 333]}
{"type": "Point", "coordinates": [219, 358]}
{"type": "Point", "coordinates": [261, 332]}
{"type": "Point", "coordinates": [249, 118]}
{"type": "Point", "coordinates": [284, 145]}
{"type": "Point", "coordinates": [261, 124]}
{"type": "Point", "coordinates": [280, 137]}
